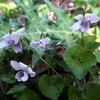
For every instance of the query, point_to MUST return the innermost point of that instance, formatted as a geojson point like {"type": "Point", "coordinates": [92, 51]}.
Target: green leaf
{"type": "Point", "coordinates": [8, 78]}
{"type": "Point", "coordinates": [38, 24]}
{"type": "Point", "coordinates": [63, 29]}
{"type": "Point", "coordinates": [17, 88]}
{"type": "Point", "coordinates": [79, 60]}
{"type": "Point", "coordinates": [28, 95]}
{"type": "Point", "coordinates": [73, 93]}
{"type": "Point", "coordinates": [51, 87]}
{"type": "Point", "coordinates": [97, 54]}
{"type": "Point", "coordinates": [89, 42]}
{"type": "Point", "coordinates": [93, 91]}
{"type": "Point", "coordinates": [63, 64]}
{"type": "Point", "coordinates": [42, 9]}
{"type": "Point", "coordinates": [51, 61]}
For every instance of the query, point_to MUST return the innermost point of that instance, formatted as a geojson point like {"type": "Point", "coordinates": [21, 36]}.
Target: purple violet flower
{"type": "Point", "coordinates": [83, 21]}
{"type": "Point", "coordinates": [23, 71]}
{"type": "Point", "coordinates": [42, 43]}
{"type": "Point", "coordinates": [13, 38]}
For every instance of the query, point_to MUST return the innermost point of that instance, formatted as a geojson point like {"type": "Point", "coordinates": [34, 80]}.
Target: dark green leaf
{"type": "Point", "coordinates": [73, 93]}
{"type": "Point", "coordinates": [51, 61]}
{"type": "Point", "coordinates": [28, 95]}
{"type": "Point", "coordinates": [63, 64]}
{"type": "Point", "coordinates": [17, 88]}
{"type": "Point", "coordinates": [8, 78]}
{"type": "Point", "coordinates": [51, 87]}
{"type": "Point", "coordinates": [93, 91]}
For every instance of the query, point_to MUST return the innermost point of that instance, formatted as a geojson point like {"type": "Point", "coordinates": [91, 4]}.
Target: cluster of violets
{"type": "Point", "coordinates": [83, 23]}
{"type": "Point", "coordinates": [13, 39]}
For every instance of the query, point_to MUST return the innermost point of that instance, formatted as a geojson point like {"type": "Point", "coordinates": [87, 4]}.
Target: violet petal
{"type": "Point", "coordinates": [45, 41]}
{"type": "Point", "coordinates": [34, 44]}
{"type": "Point", "coordinates": [19, 75]}
{"type": "Point", "coordinates": [76, 26]}
{"type": "Point", "coordinates": [78, 17]}
{"type": "Point", "coordinates": [88, 16]}
{"type": "Point", "coordinates": [17, 47]}
{"type": "Point", "coordinates": [94, 18]}
{"type": "Point", "coordinates": [30, 71]}
{"type": "Point", "coordinates": [15, 65]}
{"type": "Point", "coordinates": [20, 31]}
{"type": "Point", "coordinates": [4, 44]}
{"type": "Point", "coordinates": [25, 77]}
{"type": "Point", "coordinates": [84, 25]}
{"type": "Point", "coordinates": [15, 38]}
{"type": "Point", "coordinates": [23, 66]}
{"type": "Point", "coordinates": [42, 46]}
{"type": "Point", "coordinates": [6, 38]}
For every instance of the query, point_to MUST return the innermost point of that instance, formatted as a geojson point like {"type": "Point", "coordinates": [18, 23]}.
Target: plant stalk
{"type": "Point", "coordinates": [44, 61]}
{"type": "Point", "coordinates": [82, 39]}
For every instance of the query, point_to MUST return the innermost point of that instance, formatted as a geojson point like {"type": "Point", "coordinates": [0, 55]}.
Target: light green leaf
{"type": "Point", "coordinates": [89, 42]}
{"type": "Point", "coordinates": [60, 29]}
{"type": "Point", "coordinates": [63, 30]}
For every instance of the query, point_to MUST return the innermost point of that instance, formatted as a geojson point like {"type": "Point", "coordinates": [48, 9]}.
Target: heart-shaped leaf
{"type": "Point", "coordinates": [79, 60]}
{"type": "Point", "coordinates": [93, 91]}
{"type": "Point", "coordinates": [51, 87]}
{"type": "Point", "coordinates": [28, 95]}
{"type": "Point", "coordinates": [73, 93]}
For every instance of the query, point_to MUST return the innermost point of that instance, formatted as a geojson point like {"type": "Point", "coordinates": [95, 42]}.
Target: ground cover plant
{"type": "Point", "coordinates": [49, 50]}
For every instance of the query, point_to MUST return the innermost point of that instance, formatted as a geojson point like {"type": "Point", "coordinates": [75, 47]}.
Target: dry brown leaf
{"type": "Point", "coordinates": [60, 49]}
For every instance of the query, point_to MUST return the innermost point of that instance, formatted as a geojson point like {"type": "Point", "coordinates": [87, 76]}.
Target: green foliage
{"type": "Point", "coordinates": [60, 29]}
{"type": "Point", "coordinates": [7, 78]}
{"type": "Point", "coordinates": [27, 94]}
{"type": "Point", "coordinates": [63, 64]}
{"type": "Point", "coordinates": [51, 87]}
{"type": "Point", "coordinates": [93, 91]}
{"type": "Point", "coordinates": [89, 42]}
{"type": "Point", "coordinates": [73, 93]}
{"type": "Point", "coordinates": [97, 53]}
{"type": "Point", "coordinates": [70, 72]}
{"type": "Point", "coordinates": [51, 61]}
{"type": "Point", "coordinates": [17, 88]}
{"type": "Point", "coordinates": [79, 60]}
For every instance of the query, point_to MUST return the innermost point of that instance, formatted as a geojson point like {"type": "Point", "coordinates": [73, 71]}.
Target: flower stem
{"type": "Point", "coordinates": [82, 40]}
{"type": "Point", "coordinates": [44, 61]}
